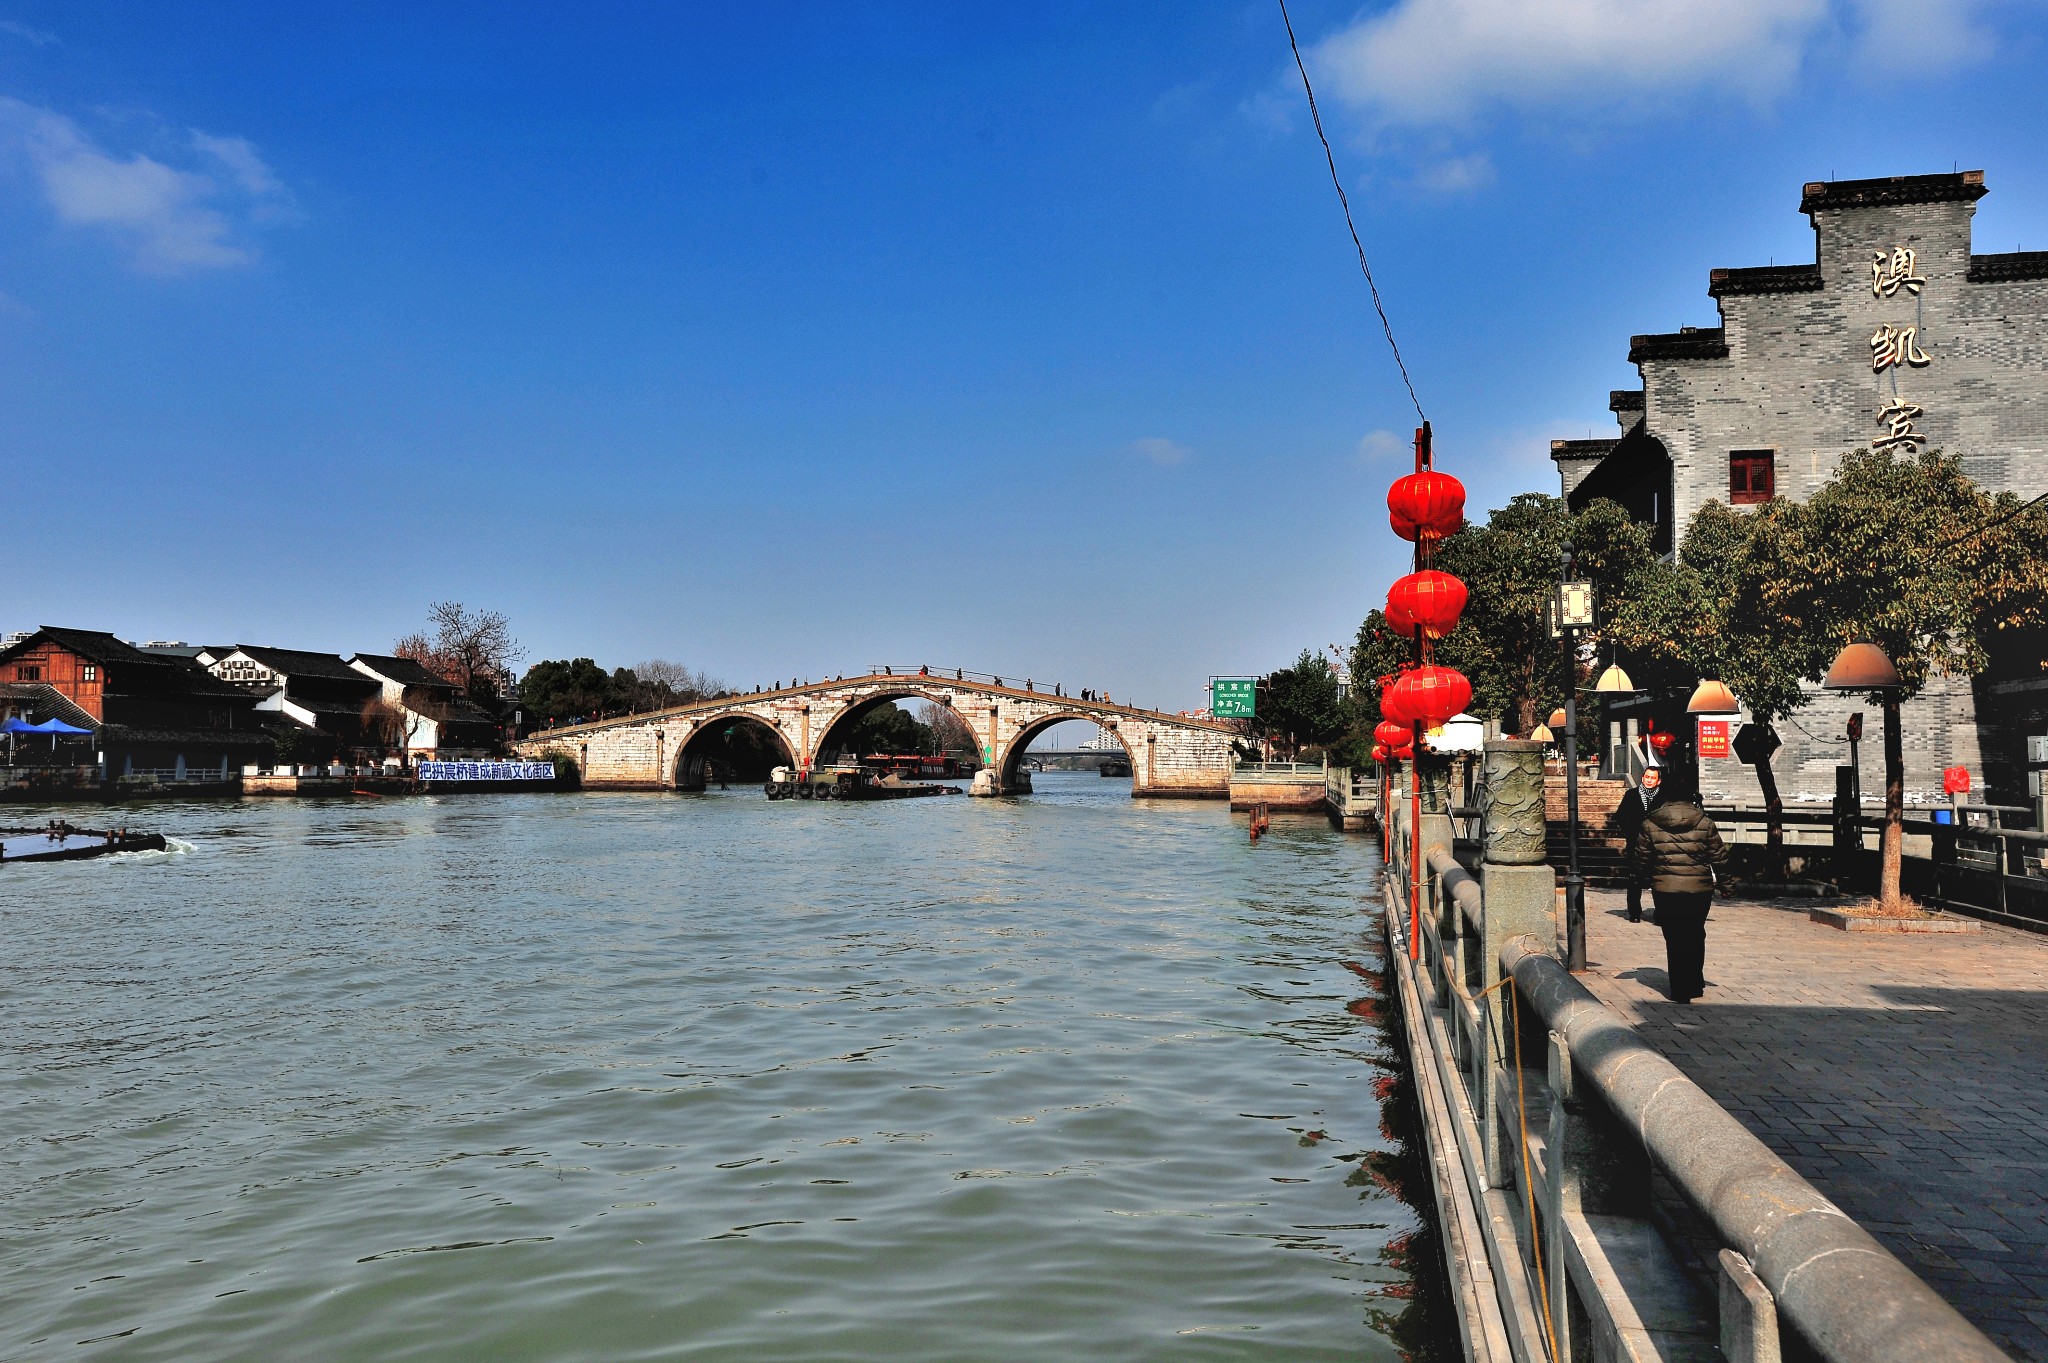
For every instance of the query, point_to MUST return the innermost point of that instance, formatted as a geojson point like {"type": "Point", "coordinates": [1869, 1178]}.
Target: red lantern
{"type": "Point", "coordinates": [1660, 743]}
{"type": "Point", "coordinates": [1388, 734]}
{"type": "Point", "coordinates": [1380, 753]}
{"type": "Point", "coordinates": [1430, 695]}
{"type": "Point", "coordinates": [1429, 599]}
{"type": "Point", "coordinates": [1393, 701]}
{"type": "Point", "coordinates": [1426, 506]}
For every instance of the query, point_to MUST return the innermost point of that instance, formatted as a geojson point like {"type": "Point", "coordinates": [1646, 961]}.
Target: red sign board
{"type": "Point", "coordinates": [1713, 738]}
{"type": "Point", "coordinates": [1956, 780]}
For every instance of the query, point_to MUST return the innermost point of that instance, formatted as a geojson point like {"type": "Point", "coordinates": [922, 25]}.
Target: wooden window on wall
{"type": "Point", "coordinates": [91, 672]}
{"type": "Point", "coordinates": [1750, 477]}
{"type": "Point", "coordinates": [27, 672]}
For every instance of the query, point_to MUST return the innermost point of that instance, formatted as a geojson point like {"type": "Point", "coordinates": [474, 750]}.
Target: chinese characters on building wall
{"type": "Point", "coordinates": [1892, 345]}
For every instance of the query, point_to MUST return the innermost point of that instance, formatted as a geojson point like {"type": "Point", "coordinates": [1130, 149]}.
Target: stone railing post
{"type": "Point", "coordinates": [1520, 894]}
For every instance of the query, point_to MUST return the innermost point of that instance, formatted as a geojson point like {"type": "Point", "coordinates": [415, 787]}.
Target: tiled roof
{"type": "Point", "coordinates": [168, 672]}
{"type": "Point", "coordinates": [44, 701]}
{"type": "Point", "coordinates": [1562, 450]}
{"type": "Point", "coordinates": [1764, 279]}
{"type": "Point", "coordinates": [1625, 400]}
{"type": "Point", "coordinates": [404, 671]}
{"type": "Point", "coordinates": [1963, 186]}
{"type": "Point", "coordinates": [293, 662]}
{"type": "Point", "coordinates": [2010, 265]}
{"type": "Point", "coordinates": [98, 646]}
{"type": "Point", "coordinates": [1692, 343]}
{"type": "Point", "coordinates": [129, 735]}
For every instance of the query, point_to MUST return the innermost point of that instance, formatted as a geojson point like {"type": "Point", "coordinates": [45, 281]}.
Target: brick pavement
{"type": "Point", "coordinates": [1906, 1076]}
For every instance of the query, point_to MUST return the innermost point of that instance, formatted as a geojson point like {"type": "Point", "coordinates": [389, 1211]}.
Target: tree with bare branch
{"type": "Point", "coordinates": [954, 734]}
{"type": "Point", "coordinates": [474, 649]}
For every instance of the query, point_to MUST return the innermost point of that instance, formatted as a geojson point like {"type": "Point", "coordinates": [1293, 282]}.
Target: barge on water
{"type": "Point", "coordinates": [59, 841]}
{"type": "Point", "coordinates": [848, 783]}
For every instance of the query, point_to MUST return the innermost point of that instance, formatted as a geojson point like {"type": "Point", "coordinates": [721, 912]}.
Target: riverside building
{"type": "Point", "coordinates": [1899, 336]}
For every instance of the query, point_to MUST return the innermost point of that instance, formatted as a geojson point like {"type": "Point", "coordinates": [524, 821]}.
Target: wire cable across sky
{"type": "Point", "coordinates": [1316, 116]}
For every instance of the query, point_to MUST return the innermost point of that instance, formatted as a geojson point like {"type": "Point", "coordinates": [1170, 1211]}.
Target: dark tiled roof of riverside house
{"type": "Point", "coordinates": [404, 671]}
{"type": "Point", "coordinates": [100, 647]}
{"type": "Point", "coordinates": [1764, 279]}
{"type": "Point", "coordinates": [1561, 450]}
{"type": "Point", "coordinates": [42, 701]}
{"type": "Point", "coordinates": [1687, 343]}
{"type": "Point", "coordinates": [194, 738]}
{"type": "Point", "coordinates": [292, 662]}
{"type": "Point", "coordinates": [181, 674]}
{"type": "Point", "coordinates": [2011, 265]}
{"type": "Point", "coordinates": [1625, 400]}
{"type": "Point", "coordinates": [1965, 186]}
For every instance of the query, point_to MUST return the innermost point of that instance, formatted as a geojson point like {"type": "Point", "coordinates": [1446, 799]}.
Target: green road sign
{"type": "Point", "coordinates": [1233, 697]}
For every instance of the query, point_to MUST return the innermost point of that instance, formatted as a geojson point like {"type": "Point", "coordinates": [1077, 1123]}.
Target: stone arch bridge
{"type": "Point", "coordinates": [1169, 754]}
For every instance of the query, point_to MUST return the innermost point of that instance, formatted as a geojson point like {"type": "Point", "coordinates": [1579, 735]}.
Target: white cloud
{"type": "Point", "coordinates": [1377, 445]}
{"type": "Point", "coordinates": [1457, 174]}
{"type": "Point", "coordinates": [36, 37]}
{"type": "Point", "coordinates": [171, 220]}
{"type": "Point", "coordinates": [1160, 451]}
{"type": "Point", "coordinates": [1447, 62]}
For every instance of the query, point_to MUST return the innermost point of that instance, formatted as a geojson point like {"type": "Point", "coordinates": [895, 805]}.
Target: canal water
{"type": "Point", "coordinates": [705, 1077]}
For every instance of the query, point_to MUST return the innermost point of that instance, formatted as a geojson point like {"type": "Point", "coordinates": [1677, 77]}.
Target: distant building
{"type": "Point", "coordinates": [149, 712]}
{"type": "Point", "coordinates": [438, 721]}
{"type": "Point", "coordinates": [1899, 336]}
{"type": "Point", "coordinates": [316, 690]}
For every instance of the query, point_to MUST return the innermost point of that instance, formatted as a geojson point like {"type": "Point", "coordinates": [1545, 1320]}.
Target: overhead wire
{"type": "Point", "coordinates": [1316, 116]}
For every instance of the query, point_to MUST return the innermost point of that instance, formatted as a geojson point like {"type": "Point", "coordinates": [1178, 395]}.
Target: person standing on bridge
{"type": "Point", "coordinates": [1675, 853]}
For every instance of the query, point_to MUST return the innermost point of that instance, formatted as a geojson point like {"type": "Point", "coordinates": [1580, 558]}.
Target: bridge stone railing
{"type": "Point", "coordinates": [1552, 1115]}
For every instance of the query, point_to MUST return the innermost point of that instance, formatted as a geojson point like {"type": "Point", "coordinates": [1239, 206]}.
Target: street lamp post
{"type": "Point", "coordinates": [1865, 667]}
{"type": "Point", "coordinates": [1571, 612]}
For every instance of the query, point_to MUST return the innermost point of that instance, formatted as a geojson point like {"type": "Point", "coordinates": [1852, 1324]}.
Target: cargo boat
{"type": "Point", "coordinates": [59, 841]}
{"type": "Point", "coordinates": [848, 783]}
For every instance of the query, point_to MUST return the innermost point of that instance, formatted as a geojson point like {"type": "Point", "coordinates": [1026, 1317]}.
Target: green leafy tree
{"type": "Point", "coordinates": [1912, 555]}
{"type": "Point", "coordinates": [1303, 705]}
{"type": "Point", "coordinates": [887, 729]}
{"type": "Point", "coordinates": [561, 690]}
{"type": "Point", "coordinates": [1905, 552]}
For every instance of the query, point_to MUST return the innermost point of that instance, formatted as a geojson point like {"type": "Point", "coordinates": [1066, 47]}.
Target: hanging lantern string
{"type": "Point", "coordinates": [1316, 117]}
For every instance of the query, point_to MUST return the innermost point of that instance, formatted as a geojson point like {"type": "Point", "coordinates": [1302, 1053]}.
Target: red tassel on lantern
{"type": "Point", "coordinates": [1426, 506]}
{"type": "Point", "coordinates": [1430, 695]}
{"type": "Point", "coordinates": [1430, 599]}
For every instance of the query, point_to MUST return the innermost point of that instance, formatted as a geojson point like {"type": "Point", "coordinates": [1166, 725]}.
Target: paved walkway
{"type": "Point", "coordinates": [1906, 1076]}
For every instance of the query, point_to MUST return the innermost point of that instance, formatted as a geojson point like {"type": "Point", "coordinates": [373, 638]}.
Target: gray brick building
{"type": "Point", "coordinates": [1897, 336]}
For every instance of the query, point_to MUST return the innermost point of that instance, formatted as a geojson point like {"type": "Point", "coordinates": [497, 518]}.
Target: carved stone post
{"type": "Point", "coordinates": [1520, 893]}
{"type": "Point", "coordinates": [1514, 803]}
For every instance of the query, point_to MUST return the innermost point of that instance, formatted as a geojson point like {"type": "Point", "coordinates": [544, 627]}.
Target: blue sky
{"type": "Point", "coordinates": [785, 339]}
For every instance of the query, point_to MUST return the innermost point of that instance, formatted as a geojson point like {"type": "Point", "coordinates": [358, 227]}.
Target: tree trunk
{"type": "Point", "coordinates": [1891, 846]}
{"type": "Point", "coordinates": [1774, 810]}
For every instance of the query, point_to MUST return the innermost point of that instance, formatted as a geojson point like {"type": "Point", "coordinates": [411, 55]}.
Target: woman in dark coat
{"type": "Point", "coordinates": [1674, 854]}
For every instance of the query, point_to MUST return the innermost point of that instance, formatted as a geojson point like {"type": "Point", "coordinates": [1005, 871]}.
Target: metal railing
{"type": "Point", "coordinates": [1293, 770]}
{"type": "Point", "coordinates": [1562, 1114]}
{"type": "Point", "coordinates": [173, 775]}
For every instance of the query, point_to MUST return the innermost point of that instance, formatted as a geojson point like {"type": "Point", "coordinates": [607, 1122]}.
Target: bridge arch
{"type": "Point", "coordinates": [834, 725]}
{"type": "Point", "coordinates": [1020, 743]}
{"type": "Point", "coordinates": [706, 753]}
